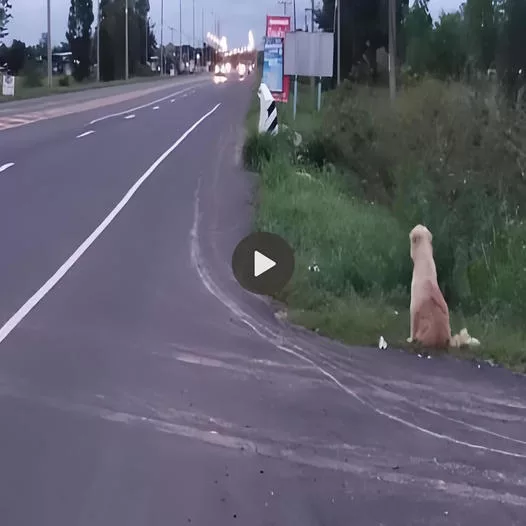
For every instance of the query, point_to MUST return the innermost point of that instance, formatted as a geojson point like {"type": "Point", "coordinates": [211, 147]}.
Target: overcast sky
{"type": "Point", "coordinates": [237, 18]}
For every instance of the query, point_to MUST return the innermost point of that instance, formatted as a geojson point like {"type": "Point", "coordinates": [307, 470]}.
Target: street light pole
{"type": "Point", "coordinates": [49, 50]}
{"type": "Point", "coordinates": [146, 34]}
{"type": "Point", "coordinates": [126, 65]}
{"type": "Point", "coordinates": [98, 41]}
{"type": "Point", "coordinates": [193, 31]}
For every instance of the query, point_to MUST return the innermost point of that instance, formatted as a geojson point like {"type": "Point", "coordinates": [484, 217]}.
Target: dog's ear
{"type": "Point", "coordinates": [429, 235]}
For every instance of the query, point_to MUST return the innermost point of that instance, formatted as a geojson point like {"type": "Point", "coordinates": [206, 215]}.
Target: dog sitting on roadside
{"type": "Point", "coordinates": [429, 311]}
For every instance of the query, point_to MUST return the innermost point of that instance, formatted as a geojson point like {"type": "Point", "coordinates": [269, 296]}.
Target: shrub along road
{"type": "Point", "coordinates": [443, 157]}
{"type": "Point", "coordinates": [140, 385]}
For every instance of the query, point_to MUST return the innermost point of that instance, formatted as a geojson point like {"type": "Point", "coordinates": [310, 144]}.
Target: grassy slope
{"type": "Point", "coordinates": [329, 228]}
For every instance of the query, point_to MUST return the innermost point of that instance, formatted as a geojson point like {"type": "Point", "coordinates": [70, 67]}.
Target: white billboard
{"type": "Point", "coordinates": [309, 54]}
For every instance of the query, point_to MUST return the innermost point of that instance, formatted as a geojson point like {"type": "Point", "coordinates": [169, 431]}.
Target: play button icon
{"type": "Point", "coordinates": [263, 263]}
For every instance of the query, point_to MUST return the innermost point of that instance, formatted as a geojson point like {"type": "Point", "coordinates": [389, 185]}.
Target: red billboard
{"type": "Point", "coordinates": [277, 26]}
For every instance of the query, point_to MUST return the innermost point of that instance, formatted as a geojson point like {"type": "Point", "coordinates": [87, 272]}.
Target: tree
{"type": "Point", "coordinates": [418, 33]}
{"type": "Point", "coordinates": [512, 51]}
{"type": "Point", "coordinates": [480, 19]}
{"type": "Point", "coordinates": [16, 57]}
{"type": "Point", "coordinates": [112, 37]}
{"type": "Point", "coordinates": [364, 28]}
{"type": "Point", "coordinates": [449, 47]}
{"type": "Point", "coordinates": [79, 36]}
{"type": "Point", "coordinates": [5, 16]}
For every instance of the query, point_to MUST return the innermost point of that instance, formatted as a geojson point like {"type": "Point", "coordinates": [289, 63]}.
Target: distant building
{"type": "Point", "coordinates": [62, 63]}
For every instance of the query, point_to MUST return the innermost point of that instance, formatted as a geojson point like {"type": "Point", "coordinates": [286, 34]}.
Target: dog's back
{"type": "Point", "coordinates": [431, 316]}
{"type": "Point", "coordinates": [430, 313]}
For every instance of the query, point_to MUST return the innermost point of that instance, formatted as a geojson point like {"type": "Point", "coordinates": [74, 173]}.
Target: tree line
{"type": "Point", "coordinates": [481, 36]}
{"type": "Point", "coordinates": [81, 40]}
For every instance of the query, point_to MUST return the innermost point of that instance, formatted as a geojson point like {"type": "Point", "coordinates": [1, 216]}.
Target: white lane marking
{"type": "Point", "coordinates": [132, 116]}
{"type": "Point", "coordinates": [172, 101]}
{"type": "Point", "coordinates": [155, 107]}
{"type": "Point", "coordinates": [85, 134]}
{"type": "Point", "coordinates": [277, 341]}
{"type": "Point", "coordinates": [23, 311]}
{"type": "Point", "coordinates": [4, 167]}
{"type": "Point", "coordinates": [130, 110]}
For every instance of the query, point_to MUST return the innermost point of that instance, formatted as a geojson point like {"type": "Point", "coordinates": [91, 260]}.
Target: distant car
{"type": "Point", "coordinates": [220, 77]}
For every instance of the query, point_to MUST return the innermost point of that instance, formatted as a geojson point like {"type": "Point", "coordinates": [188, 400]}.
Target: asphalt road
{"type": "Point", "coordinates": [141, 386]}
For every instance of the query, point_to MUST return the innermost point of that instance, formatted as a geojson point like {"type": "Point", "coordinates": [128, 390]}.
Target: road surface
{"type": "Point", "coordinates": [141, 386]}
{"type": "Point", "coordinates": [23, 112]}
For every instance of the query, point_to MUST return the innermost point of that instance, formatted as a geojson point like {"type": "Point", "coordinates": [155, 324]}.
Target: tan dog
{"type": "Point", "coordinates": [429, 311]}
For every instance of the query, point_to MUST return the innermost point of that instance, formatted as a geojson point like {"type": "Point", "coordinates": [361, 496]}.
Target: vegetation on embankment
{"type": "Point", "coordinates": [365, 174]}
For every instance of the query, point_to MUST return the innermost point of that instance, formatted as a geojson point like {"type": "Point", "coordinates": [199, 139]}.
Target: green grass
{"type": "Point", "coordinates": [361, 247]}
{"type": "Point", "coordinates": [22, 92]}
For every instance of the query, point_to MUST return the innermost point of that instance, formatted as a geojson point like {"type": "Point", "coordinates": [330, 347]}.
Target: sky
{"type": "Point", "coordinates": [237, 18]}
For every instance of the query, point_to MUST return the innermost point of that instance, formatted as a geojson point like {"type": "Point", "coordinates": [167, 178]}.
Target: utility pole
{"type": "Point", "coordinates": [338, 43]}
{"type": "Point", "coordinates": [49, 50]}
{"type": "Point", "coordinates": [312, 80]}
{"type": "Point", "coordinates": [193, 31]}
{"type": "Point", "coordinates": [203, 37]}
{"type": "Point", "coordinates": [294, 9]}
{"type": "Point", "coordinates": [392, 49]}
{"type": "Point", "coordinates": [126, 72]}
{"type": "Point", "coordinates": [172, 29]}
{"type": "Point", "coordinates": [162, 38]}
{"type": "Point", "coordinates": [284, 3]}
{"type": "Point", "coordinates": [98, 40]}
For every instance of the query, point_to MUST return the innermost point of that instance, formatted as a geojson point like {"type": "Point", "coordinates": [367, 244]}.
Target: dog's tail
{"type": "Point", "coordinates": [463, 339]}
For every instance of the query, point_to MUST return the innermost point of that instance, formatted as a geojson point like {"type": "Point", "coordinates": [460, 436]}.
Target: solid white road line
{"type": "Point", "coordinates": [4, 167]}
{"type": "Point", "coordinates": [85, 134]}
{"type": "Point", "coordinates": [13, 322]}
{"type": "Point", "coordinates": [132, 116]}
{"type": "Point", "coordinates": [120, 113]}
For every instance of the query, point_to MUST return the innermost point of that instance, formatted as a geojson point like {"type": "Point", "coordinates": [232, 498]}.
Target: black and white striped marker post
{"type": "Point", "coordinates": [268, 112]}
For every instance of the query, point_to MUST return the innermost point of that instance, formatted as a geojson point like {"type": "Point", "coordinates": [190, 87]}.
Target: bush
{"type": "Point", "coordinates": [260, 149]}
{"type": "Point", "coordinates": [143, 70]}
{"type": "Point", "coordinates": [443, 155]}
{"type": "Point", "coordinates": [64, 81]}
{"type": "Point", "coordinates": [32, 75]}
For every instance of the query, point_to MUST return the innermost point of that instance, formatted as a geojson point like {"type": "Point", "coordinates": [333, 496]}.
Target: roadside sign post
{"type": "Point", "coordinates": [318, 98]}
{"type": "Point", "coordinates": [295, 103]}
